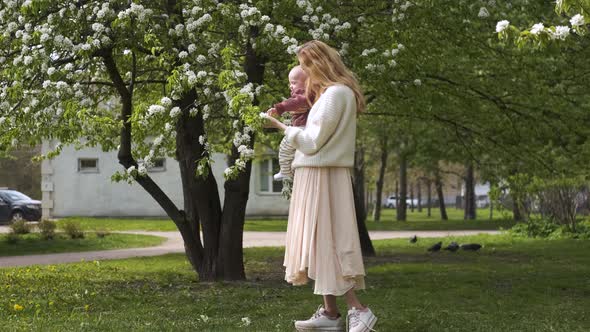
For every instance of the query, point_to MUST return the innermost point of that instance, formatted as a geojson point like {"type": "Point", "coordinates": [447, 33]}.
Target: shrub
{"type": "Point", "coordinates": [73, 230]}
{"type": "Point", "coordinates": [20, 227]}
{"type": "Point", "coordinates": [547, 229]}
{"type": "Point", "coordinates": [47, 228]}
{"type": "Point", "coordinates": [102, 233]}
{"type": "Point", "coordinates": [534, 228]}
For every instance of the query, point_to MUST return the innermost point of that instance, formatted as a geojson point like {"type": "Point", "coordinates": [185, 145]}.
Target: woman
{"type": "Point", "coordinates": [322, 238]}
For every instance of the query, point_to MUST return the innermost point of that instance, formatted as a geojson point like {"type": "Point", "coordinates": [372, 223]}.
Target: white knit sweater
{"type": "Point", "coordinates": [328, 139]}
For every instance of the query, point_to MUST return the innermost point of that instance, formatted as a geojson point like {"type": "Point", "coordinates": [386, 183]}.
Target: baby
{"type": "Point", "coordinates": [298, 106]}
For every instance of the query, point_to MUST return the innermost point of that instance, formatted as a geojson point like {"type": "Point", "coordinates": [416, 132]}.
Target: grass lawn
{"type": "Point", "coordinates": [416, 221]}
{"type": "Point", "coordinates": [511, 285]}
{"type": "Point", "coordinates": [33, 244]}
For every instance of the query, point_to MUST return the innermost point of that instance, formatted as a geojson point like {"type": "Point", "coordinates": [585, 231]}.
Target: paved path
{"type": "Point", "coordinates": [174, 244]}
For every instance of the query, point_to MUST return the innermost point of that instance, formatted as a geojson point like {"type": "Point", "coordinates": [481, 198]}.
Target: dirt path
{"type": "Point", "coordinates": [174, 244]}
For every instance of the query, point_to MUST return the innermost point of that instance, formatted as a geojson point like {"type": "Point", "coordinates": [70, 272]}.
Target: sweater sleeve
{"type": "Point", "coordinates": [312, 138]}
{"type": "Point", "coordinates": [297, 102]}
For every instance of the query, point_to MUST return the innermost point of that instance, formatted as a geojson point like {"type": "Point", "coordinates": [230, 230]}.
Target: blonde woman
{"type": "Point", "coordinates": [322, 238]}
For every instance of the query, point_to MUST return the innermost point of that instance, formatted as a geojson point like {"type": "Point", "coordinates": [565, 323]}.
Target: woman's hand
{"type": "Point", "coordinates": [273, 122]}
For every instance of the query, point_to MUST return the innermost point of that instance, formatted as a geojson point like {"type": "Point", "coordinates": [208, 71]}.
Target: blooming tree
{"type": "Point", "coordinates": [184, 79]}
{"type": "Point", "coordinates": [571, 17]}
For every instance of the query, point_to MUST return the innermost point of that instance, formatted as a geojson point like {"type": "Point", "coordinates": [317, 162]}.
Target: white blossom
{"type": "Point", "coordinates": [577, 20]}
{"type": "Point", "coordinates": [98, 27]}
{"type": "Point", "coordinates": [367, 52]}
{"type": "Point", "coordinates": [142, 170]}
{"type": "Point", "coordinates": [154, 109]}
{"type": "Point", "coordinates": [158, 140]}
{"type": "Point", "coordinates": [240, 164]}
{"type": "Point", "coordinates": [174, 112]}
{"type": "Point", "coordinates": [537, 28]}
{"type": "Point", "coordinates": [279, 30]}
{"type": "Point", "coordinates": [417, 82]}
{"type": "Point", "coordinates": [502, 25]}
{"type": "Point", "coordinates": [561, 32]}
{"type": "Point", "coordinates": [203, 19]}
{"type": "Point", "coordinates": [166, 102]}
{"type": "Point", "coordinates": [226, 174]}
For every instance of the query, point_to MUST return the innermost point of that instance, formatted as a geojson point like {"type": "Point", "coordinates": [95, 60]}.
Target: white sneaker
{"type": "Point", "coordinates": [320, 322]}
{"type": "Point", "coordinates": [280, 177]}
{"type": "Point", "coordinates": [360, 321]}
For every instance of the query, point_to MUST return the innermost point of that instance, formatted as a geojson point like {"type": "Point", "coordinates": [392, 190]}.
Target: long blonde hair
{"type": "Point", "coordinates": [324, 68]}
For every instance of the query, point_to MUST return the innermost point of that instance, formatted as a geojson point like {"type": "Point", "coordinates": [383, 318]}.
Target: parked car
{"type": "Point", "coordinates": [391, 202]}
{"type": "Point", "coordinates": [16, 206]}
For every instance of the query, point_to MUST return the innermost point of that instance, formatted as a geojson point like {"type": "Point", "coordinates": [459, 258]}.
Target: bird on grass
{"type": "Point", "coordinates": [471, 246]}
{"type": "Point", "coordinates": [414, 239]}
{"type": "Point", "coordinates": [435, 247]}
{"type": "Point", "coordinates": [452, 247]}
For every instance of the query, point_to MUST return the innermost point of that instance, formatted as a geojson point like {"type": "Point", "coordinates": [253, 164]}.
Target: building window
{"type": "Point", "coordinates": [267, 169]}
{"type": "Point", "coordinates": [87, 165]}
{"type": "Point", "coordinates": [158, 166]}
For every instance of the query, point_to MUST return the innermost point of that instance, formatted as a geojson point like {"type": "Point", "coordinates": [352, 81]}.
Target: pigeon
{"type": "Point", "coordinates": [435, 247]}
{"type": "Point", "coordinates": [452, 247]}
{"type": "Point", "coordinates": [414, 239]}
{"type": "Point", "coordinates": [471, 246]}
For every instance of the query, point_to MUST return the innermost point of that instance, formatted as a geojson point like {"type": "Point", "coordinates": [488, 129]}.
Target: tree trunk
{"type": "Point", "coordinates": [412, 197]}
{"type": "Point", "coordinates": [358, 189]}
{"type": "Point", "coordinates": [441, 197]}
{"type": "Point", "coordinates": [368, 198]}
{"type": "Point", "coordinates": [491, 210]}
{"type": "Point", "coordinates": [401, 208]}
{"type": "Point", "coordinates": [396, 194]}
{"type": "Point", "coordinates": [429, 197]}
{"type": "Point", "coordinates": [202, 258]}
{"type": "Point", "coordinates": [230, 262]}
{"type": "Point", "coordinates": [516, 211]}
{"type": "Point", "coordinates": [470, 208]}
{"type": "Point", "coordinates": [202, 207]}
{"type": "Point", "coordinates": [379, 193]}
{"type": "Point", "coordinates": [419, 189]}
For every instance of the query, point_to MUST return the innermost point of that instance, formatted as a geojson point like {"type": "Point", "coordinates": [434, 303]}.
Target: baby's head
{"type": "Point", "coordinates": [297, 78]}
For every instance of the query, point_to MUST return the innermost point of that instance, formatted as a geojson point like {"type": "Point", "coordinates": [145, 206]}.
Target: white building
{"type": "Point", "coordinates": [78, 183]}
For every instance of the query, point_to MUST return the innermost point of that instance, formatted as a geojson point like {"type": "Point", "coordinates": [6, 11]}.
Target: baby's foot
{"type": "Point", "coordinates": [280, 177]}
